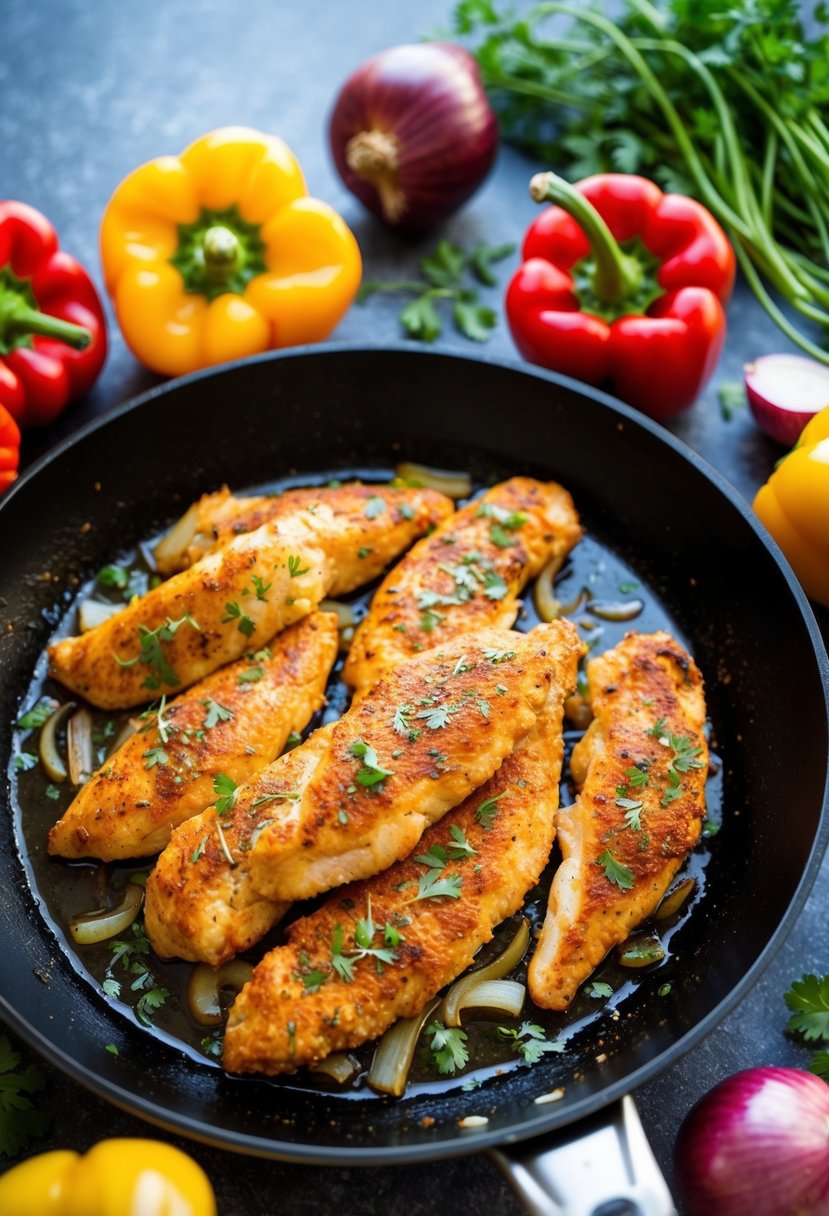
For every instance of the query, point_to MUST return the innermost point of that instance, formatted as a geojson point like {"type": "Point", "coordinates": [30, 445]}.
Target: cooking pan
{"type": "Point", "coordinates": [690, 539]}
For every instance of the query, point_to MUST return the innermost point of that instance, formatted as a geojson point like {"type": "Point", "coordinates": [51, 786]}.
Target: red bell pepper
{"type": "Point", "coordinates": [52, 327]}
{"type": "Point", "coordinates": [623, 286]}
{"type": "Point", "coordinates": [9, 448]}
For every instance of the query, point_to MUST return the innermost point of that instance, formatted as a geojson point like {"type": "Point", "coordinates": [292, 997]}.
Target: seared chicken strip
{"type": "Point", "coordinates": [431, 731]}
{"type": "Point", "coordinates": [233, 599]}
{"type": "Point", "coordinates": [325, 990]}
{"type": "Point", "coordinates": [465, 575]}
{"type": "Point", "coordinates": [216, 519]}
{"type": "Point", "coordinates": [641, 766]}
{"type": "Point", "coordinates": [353, 798]}
{"type": "Point", "coordinates": [233, 723]}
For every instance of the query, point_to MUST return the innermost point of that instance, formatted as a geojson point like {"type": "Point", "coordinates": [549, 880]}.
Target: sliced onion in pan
{"type": "Point", "coordinates": [92, 613]}
{"type": "Point", "coordinates": [544, 597]}
{"type": "Point", "coordinates": [174, 544]}
{"type": "Point", "coordinates": [457, 998]}
{"type": "Point", "coordinates": [674, 898]}
{"type": "Point", "coordinates": [205, 985]}
{"type": "Point", "coordinates": [50, 756]}
{"type": "Point", "coordinates": [394, 1053]}
{"type": "Point", "coordinates": [613, 610]}
{"type": "Point", "coordinates": [88, 928]}
{"type": "Point", "coordinates": [128, 729]}
{"type": "Point", "coordinates": [79, 750]}
{"type": "Point", "coordinates": [641, 950]}
{"type": "Point", "coordinates": [340, 1066]}
{"type": "Point", "coordinates": [496, 996]}
{"type": "Point", "coordinates": [454, 485]}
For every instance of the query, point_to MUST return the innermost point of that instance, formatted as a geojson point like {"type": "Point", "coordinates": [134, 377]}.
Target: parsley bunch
{"type": "Point", "coordinates": [447, 273]}
{"type": "Point", "coordinates": [725, 102]}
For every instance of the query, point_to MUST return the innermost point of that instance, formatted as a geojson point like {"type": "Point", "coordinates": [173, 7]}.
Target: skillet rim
{"type": "Point", "coordinates": [454, 1143]}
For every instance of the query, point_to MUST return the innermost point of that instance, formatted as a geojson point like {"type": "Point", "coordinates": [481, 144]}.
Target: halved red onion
{"type": "Point", "coordinates": [413, 134]}
{"type": "Point", "coordinates": [784, 392]}
{"type": "Point", "coordinates": [757, 1145]}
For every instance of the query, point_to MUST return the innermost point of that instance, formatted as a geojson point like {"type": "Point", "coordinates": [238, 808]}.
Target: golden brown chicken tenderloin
{"type": "Point", "coordinates": [641, 766]}
{"type": "Point", "coordinates": [233, 723]}
{"type": "Point", "coordinates": [297, 1009]}
{"type": "Point", "coordinates": [213, 521]}
{"type": "Point", "coordinates": [210, 909]}
{"type": "Point", "coordinates": [465, 575]}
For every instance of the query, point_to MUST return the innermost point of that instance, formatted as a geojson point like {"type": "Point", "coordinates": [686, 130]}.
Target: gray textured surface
{"type": "Point", "coordinates": [91, 90]}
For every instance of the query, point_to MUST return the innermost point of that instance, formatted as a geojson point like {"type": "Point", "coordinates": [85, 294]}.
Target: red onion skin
{"type": "Point", "coordinates": [430, 98]}
{"type": "Point", "coordinates": [757, 1144]}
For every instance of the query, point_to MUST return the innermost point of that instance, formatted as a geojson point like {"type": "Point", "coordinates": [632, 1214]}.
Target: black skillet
{"type": "Point", "coordinates": [644, 496]}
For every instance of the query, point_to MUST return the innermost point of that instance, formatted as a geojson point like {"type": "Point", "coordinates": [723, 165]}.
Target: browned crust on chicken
{"type": "Point", "coordinates": [296, 1010]}
{"type": "Point", "coordinates": [216, 519]}
{"type": "Point", "coordinates": [438, 725]}
{"type": "Point", "coordinates": [465, 576]}
{"type": "Point", "coordinates": [234, 722]}
{"type": "Point", "coordinates": [252, 587]}
{"type": "Point", "coordinates": [317, 825]}
{"type": "Point", "coordinates": [642, 766]}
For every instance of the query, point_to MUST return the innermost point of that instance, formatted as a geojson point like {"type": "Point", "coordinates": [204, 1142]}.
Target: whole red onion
{"type": "Point", "coordinates": [757, 1145]}
{"type": "Point", "coordinates": [413, 134]}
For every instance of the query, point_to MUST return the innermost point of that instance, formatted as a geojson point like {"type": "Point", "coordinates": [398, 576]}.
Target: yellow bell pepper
{"type": "Point", "coordinates": [219, 253]}
{"type": "Point", "coordinates": [794, 506]}
{"type": "Point", "coordinates": [115, 1178]}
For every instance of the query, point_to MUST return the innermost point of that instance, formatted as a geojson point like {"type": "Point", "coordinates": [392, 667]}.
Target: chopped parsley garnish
{"type": "Point", "coordinates": [500, 537]}
{"type": "Point", "coordinates": [430, 620]}
{"type": "Point", "coordinates": [113, 576]}
{"type": "Point", "coordinates": [20, 1119]}
{"type": "Point", "coordinates": [371, 773]}
{"type": "Point", "coordinates": [459, 847]}
{"type": "Point", "coordinates": [437, 716]}
{"type": "Point", "coordinates": [295, 566]}
{"type": "Point", "coordinates": [497, 656]}
{"type": "Point", "coordinates": [615, 872]}
{"type": "Point", "coordinates": [24, 761]}
{"type": "Point", "coordinates": [374, 507]}
{"type": "Point", "coordinates": [227, 790]}
{"type": "Point", "coordinates": [216, 712]}
{"type": "Point", "coordinates": [400, 721]}
{"type": "Point", "coordinates": [448, 1047]}
{"type": "Point", "coordinates": [365, 932]}
{"type": "Point", "coordinates": [685, 758]}
{"type": "Point", "coordinates": [244, 623]}
{"type": "Point", "coordinates": [132, 954]}
{"type": "Point", "coordinates": [487, 811]}
{"type": "Point", "coordinates": [52, 792]}
{"type": "Point", "coordinates": [199, 849]}
{"type": "Point", "coordinates": [154, 756]}
{"type": "Point", "coordinates": [251, 675]}
{"type": "Point", "coordinates": [283, 796]}
{"type": "Point", "coordinates": [151, 651]}
{"type": "Point", "coordinates": [405, 511]}
{"type": "Point", "coordinates": [260, 587]}
{"type": "Point", "coordinates": [363, 552]}
{"type": "Point", "coordinates": [632, 809]}
{"type": "Point", "coordinates": [433, 885]}
{"type": "Point", "coordinates": [528, 1041]}
{"type": "Point", "coordinates": [597, 990]}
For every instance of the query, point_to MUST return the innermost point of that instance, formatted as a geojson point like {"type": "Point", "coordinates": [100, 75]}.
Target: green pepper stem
{"type": "Point", "coordinates": [222, 253]}
{"type": "Point", "coordinates": [21, 320]}
{"type": "Point", "coordinates": [617, 276]}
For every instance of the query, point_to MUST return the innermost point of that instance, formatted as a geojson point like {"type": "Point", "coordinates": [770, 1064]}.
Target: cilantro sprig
{"type": "Point", "coordinates": [365, 931]}
{"type": "Point", "coordinates": [151, 653]}
{"type": "Point", "coordinates": [808, 998]}
{"type": "Point", "coordinates": [448, 1047]}
{"type": "Point", "coordinates": [529, 1041]}
{"type": "Point", "coordinates": [447, 275]}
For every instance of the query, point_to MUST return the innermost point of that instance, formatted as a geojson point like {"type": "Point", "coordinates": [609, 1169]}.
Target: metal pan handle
{"type": "Point", "coordinates": [602, 1166]}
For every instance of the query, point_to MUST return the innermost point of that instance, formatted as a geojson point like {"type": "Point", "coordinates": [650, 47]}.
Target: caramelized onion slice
{"type": "Point", "coordinates": [456, 998]}
{"type": "Point", "coordinates": [92, 613]}
{"type": "Point", "coordinates": [340, 1066]}
{"type": "Point", "coordinates": [205, 985]}
{"type": "Point", "coordinates": [454, 485]}
{"type": "Point", "coordinates": [675, 897]}
{"type": "Point", "coordinates": [544, 597]}
{"type": "Point", "coordinates": [87, 928]}
{"type": "Point", "coordinates": [50, 757]}
{"type": "Point", "coordinates": [79, 751]}
{"type": "Point", "coordinates": [498, 996]}
{"type": "Point", "coordinates": [394, 1053]}
{"type": "Point", "coordinates": [171, 548]}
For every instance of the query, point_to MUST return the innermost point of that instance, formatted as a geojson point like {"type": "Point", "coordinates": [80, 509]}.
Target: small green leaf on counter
{"type": "Point", "coordinates": [808, 997]}
{"type": "Point", "coordinates": [20, 1120]}
{"type": "Point", "coordinates": [732, 399]}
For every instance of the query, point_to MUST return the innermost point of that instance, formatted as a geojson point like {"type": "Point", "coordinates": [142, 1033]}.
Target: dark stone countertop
{"type": "Point", "coordinates": [91, 90]}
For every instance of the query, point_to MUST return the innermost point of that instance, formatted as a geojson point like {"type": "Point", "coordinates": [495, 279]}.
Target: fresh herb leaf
{"type": "Point", "coordinates": [113, 576]}
{"type": "Point", "coordinates": [400, 721]}
{"type": "Point", "coordinates": [420, 319]}
{"type": "Point", "coordinates": [151, 653]}
{"type": "Point", "coordinates": [437, 717]}
{"type": "Point", "coordinates": [40, 713]}
{"type": "Point", "coordinates": [371, 773]}
{"type": "Point", "coordinates": [24, 761]}
{"type": "Point", "coordinates": [433, 886]}
{"type": "Point", "coordinates": [154, 756]}
{"type": "Point", "coordinates": [498, 656]}
{"type": "Point", "coordinates": [487, 810]}
{"type": "Point", "coordinates": [482, 258]}
{"type": "Point", "coordinates": [459, 847]}
{"type": "Point", "coordinates": [227, 790]}
{"type": "Point", "coordinates": [819, 1064]}
{"type": "Point", "coordinates": [732, 399]}
{"type": "Point", "coordinates": [615, 872]}
{"type": "Point", "coordinates": [244, 623]}
{"type": "Point", "coordinates": [598, 990]}
{"type": "Point", "coordinates": [448, 1047]}
{"type": "Point", "coordinates": [216, 713]}
{"type": "Point", "coordinates": [809, 998]}
{"type": "Point", "coordinates": [375, 507]}
{"type": "Point", "coordinates": [529, 1042]}
{"type": "Point", "coordinates": [295, 566]}
{"type": "Point", "coordinates": [475, 321]}
{"type": "Point", "coordinates": [251, 675]}
{"type": "Point", "coordinates": [52, 792]}
{"type": "Point", "coordinates": [260, 587]}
